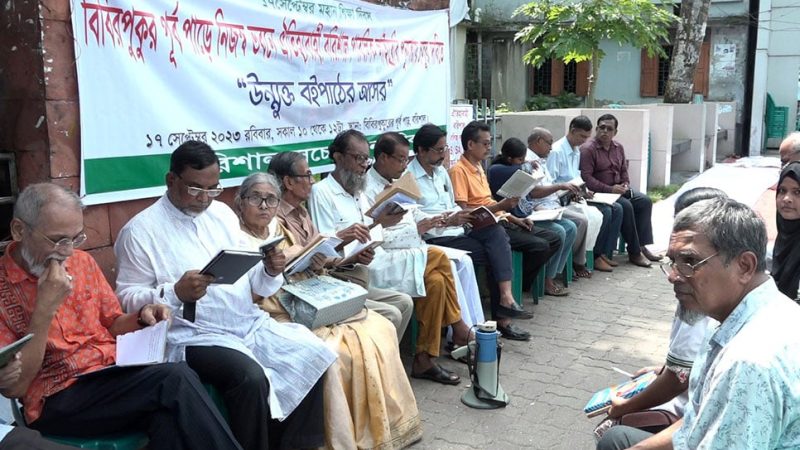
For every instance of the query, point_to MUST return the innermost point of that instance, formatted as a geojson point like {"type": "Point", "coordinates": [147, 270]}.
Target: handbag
{"type": "Point", "coordinates": [650, 420]}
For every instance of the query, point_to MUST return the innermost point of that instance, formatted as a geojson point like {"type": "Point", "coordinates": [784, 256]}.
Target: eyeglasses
{"type": "Point", "coordinates": [307, 176]}
{"type": "Point", "coordinates": [63, 243]}
{"type": "Point", "coordinates": [195, 191]}
{"type": "Point", "coordinates": [605, 128]}
{"type": "Point", "coordinates": [401, 159]}
{"type": "Point", "coordinates": [550, 142]}
{"type": "Point", "coordinates": [361, 159]}
{"type": "Point", "coordinates": [487, 143]}
{"type": "Point", "coordinates": [256, 200]}
{"type": "Point", "coordinates": [685, 270]}
{"type": "Point", "coordinates": [439, 149]}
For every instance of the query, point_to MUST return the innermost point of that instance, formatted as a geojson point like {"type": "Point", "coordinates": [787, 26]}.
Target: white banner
{"type": "Point", "coordinates": [457, 118]}
{"type": "Point", "coordinates": [249, 78]}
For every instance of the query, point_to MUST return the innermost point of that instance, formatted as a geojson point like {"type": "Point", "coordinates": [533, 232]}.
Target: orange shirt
{"type": "Point", "coordinates": [470, 185]}
{"type": "Point", "coordinates": [78, 340]}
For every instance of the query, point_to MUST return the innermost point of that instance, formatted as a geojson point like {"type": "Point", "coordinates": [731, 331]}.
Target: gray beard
{"type": "Point", "coordinates": [689, 317]}
{"type": "Point", "coordinates": [34, 268]}
{"type": "Point", "coordinates": [353, 182]}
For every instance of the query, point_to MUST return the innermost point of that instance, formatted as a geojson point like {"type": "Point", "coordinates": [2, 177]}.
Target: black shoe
{"type": "Point", "coordinates": [510, 332]}
{"type": "Point", "coordinates": [512, 312]}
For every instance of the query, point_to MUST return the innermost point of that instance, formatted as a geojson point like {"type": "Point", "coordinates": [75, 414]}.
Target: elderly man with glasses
{"type": "Point", "coordinates": [744, 393]}
{"type": "Point", "coordinates": [268, 372]}
{"type": "Point", "coordinates": [58, 294]}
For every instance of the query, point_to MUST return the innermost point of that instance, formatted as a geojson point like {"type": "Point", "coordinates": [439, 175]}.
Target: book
{"type": "Point", "coordinates": [143, 347]}
{"type": "Point", "coordinates": [8, 352]}
{"type": "Point", "coordinates": [229, 265]}
{"type": "Point", "coordinates": [547, 214]}
{"type": "Point", "coordinates": [577, 181]}
{"type": "Point", "coordinates": [269, 244]}
{"type": "Point", "coordinates": [601, 400]}
{"type": "Point", "coordinates": [321, 244]}
{"type": "Point", "coordinates": [375, 240]}
{"type": "Point", "coordinates": [520, 184]}
{"type": "Point", "coordinates": [482, 218]}
{"type": "Point", "coordinates": [399, 196]}
{"type": "Point", "coordinates": [603, 198]}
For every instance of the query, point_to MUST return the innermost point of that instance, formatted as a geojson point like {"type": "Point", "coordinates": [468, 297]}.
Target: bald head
{"type": "Point", "coordinates": [540, 141]}
{"type": "Point", "coordinates": [790, 148]}
{"type": "Point", "coordinates": [37, 197]}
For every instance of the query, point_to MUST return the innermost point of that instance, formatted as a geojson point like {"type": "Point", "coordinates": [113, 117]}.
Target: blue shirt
{"type": "Point", "coordinates": [744, 391]}
{"type": "Point", "coordinates": [563, 161]}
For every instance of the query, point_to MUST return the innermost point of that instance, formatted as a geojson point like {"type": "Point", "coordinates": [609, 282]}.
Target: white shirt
{"type": "Point", "coordinates": [161, 243]}
{"type": "Point", "coordinates": [437, 198]}
{"type": "Point", "coordinates": [548, 202]}
{"type": "Point", "coordinates": [563, 161]}
{"type": "Point", "coordinates": [333, 209]}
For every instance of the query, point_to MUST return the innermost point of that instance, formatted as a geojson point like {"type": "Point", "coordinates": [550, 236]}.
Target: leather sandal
{"type": "Point", "coordinates": [438, 374]}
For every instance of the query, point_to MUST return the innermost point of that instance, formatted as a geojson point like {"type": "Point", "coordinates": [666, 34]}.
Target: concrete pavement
{"type": "Point", "coordinates": [619, 319]}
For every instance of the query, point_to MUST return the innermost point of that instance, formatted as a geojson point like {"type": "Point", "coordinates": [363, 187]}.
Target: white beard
{"type": "Point", "coordinates": [37, 269]}
{"type": "Point", "coordinates": [689, 317]}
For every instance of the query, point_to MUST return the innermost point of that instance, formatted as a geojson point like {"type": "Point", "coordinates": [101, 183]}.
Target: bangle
{"type": "Point", "coordinates": [139, 320]}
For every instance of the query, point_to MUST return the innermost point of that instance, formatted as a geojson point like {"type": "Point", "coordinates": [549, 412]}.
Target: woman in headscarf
{"type": "Point", "coordinates": [786, 256]}
{"type": "Point", "coordinates": [368, 399]}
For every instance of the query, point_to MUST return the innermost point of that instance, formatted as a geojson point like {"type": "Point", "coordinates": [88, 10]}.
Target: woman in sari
{"type": "Point", "coordinates": [367, 397]}
{"type": "Point", "coordinates": [786, 255]}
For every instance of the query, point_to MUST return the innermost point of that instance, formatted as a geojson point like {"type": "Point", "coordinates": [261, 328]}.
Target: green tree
{"type": "Point", "coordinates": [572, 30]}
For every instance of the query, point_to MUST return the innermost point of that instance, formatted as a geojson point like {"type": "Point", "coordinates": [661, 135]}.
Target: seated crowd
{"type": "Point", "coordinates": [283, 385]}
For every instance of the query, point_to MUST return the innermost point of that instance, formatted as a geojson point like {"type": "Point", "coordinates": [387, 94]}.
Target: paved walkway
{"type": "Point", "coordinates": [621, 319]}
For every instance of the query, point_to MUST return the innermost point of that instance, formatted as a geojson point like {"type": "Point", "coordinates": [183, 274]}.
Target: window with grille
{"type": "Point", "coordinates": [542, 77]}
{"type": "Point", "coordinates": [663, 70]}
{"type": "Point", "coordinates": [571, 77]}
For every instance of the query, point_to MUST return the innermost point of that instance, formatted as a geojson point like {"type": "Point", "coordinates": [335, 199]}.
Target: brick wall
{"type": "Point", "coordinates": [39, 116]}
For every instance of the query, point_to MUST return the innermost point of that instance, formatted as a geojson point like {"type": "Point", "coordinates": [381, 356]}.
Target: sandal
{"type": "Point", "coordinates": [438, 374]}
{"type": "Point", "coordinates": [581, 272]}
{"type": "Point", "coordinates": [558, 291]}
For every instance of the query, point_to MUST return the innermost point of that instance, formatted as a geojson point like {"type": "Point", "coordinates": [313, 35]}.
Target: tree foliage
{"type": "Point", "coordinates": [572, 30]}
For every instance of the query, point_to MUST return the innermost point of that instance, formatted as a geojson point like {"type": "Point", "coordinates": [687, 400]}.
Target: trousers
{"type": "Point", "coordinates": [167, 401]}
{"type": "Point", "coordinates": [245, 388]}
{"type": "Point", "coordinates": [439, 307]}
{"type": "Point", "coordinates": [637, 230]}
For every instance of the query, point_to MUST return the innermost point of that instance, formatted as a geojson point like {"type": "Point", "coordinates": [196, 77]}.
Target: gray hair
{"type": "Point", "coordinates": [35, 197]}
{"type": "Point", "coordinates": [538, 133]}
{"type": "Point", "coordinates": [732, 228]}
{"type": "Point", "coordinates": [794, 138]}
{"type": "Point", "coordinates": [253, 179]}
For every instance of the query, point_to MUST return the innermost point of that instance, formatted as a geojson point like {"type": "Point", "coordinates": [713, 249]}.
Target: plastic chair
{"type": "Point", "coordinates": [116, 441]}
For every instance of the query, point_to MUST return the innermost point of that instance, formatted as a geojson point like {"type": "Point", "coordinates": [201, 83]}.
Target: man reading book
{"type": "Point", "coordinates": [59, 294]}
{"type": "Point", "coordinates": [268, 372]}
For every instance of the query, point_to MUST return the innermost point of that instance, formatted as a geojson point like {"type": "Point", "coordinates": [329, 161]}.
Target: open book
{"type": "Point", "coordinates": [601, 400]}
{"type": "Point", "coordinates": [401, 195]}
{"type": "Point", "coordinates": [143, 347]}
{"type": "Point", "coordinates": [520, 184]}
{"type": "Point", "coordinates": [603, 198]}
{"type": "Point", "coordinates": [321, 244]}
{"type": "Point", "coordinates": [547, 214]}
{"type": "Point", "coordinates": [355, 247]}
{"type": "Point", "coordinates": [482, 218]}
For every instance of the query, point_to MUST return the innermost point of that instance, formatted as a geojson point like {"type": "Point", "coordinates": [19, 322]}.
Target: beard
{"type": "Point", "coordinates": [37, 268]}
{"type": "Point", "coordinates": [352, 182]}
{"type": "Point", "coordinates": [688, 316]}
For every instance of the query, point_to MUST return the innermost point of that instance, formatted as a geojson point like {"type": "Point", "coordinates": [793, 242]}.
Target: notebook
{"type": "Point", "coordinates": [601, 400]}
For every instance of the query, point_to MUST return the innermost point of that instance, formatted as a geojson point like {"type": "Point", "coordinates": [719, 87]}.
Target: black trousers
{"type": "Point", "coordinates": [245, 388]}
{"type": "Point", "coordinates": [637, 230]}
{"type": "Point", "coordinates": [537, 246]}
{"type": "Point", "coordinates": [24, 439]}
{"type": "Point", "coordinates": [488, 247]}
{"type": "Point", "coordinates": [166, 400]}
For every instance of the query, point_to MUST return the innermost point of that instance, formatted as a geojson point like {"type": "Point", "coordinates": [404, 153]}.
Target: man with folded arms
{"type": "Point", "coordinates": [268, 372]}
{"type": "Point", "coordinates": [604, 220]}
{"type": "Point", "coordinates": [60, 295]}
{"type": "Point", "coordinates": [471, 190]}
{"type": "Point", "coordinates": [424, 273]}
{"type": "Point", "coordinates": [743, 389]}
{"type": "Point", "coordinates": [605, 169]}
{"type": "Point", "coordinates": [488, 246]}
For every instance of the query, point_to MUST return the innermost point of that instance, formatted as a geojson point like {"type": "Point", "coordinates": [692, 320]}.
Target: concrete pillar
{"type": "Point", "coordinates": [760, 80]}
